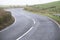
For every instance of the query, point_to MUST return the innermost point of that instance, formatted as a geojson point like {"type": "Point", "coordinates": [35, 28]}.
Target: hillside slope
{"type": "Point", "coordinates": [50, 7]}
{"type": "Point", "coordinates": [51, 10]}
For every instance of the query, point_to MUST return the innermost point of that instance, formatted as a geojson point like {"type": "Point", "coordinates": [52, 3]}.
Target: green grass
{"type": "Point", "coordinates": [53, 6]}
{"type": "Point", "coordinates": [50, 7]}
{"type": "Point", "coordinates": [47, 9]}
{"type": "Point", "coordinates": [56, 18]}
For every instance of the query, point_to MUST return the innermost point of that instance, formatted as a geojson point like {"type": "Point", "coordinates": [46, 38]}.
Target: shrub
{"type": "Point", "coordinates": [4, 16]}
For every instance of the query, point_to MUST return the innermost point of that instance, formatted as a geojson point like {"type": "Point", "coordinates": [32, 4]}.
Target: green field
{"type": "Point", "coordinates": [47, 9]}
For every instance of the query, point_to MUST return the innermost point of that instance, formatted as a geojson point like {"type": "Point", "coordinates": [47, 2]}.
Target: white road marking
{"type": "Point", "coordinates": [28, 30]}
{"type": "Point", "coordinates": [15, 21]}
{"type": "Point", "coordinates": [25, 33]}
{"type": "Point", "coordinates": [31, 19]}
{"type": "Point", "coordinates": [34, 21]}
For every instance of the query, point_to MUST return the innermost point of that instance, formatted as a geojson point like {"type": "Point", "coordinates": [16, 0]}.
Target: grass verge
{"type": "Point", "coordinates": [45, 13]}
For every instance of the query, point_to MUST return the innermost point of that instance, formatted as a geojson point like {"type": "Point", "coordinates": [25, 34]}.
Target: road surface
{"type": "Point", "coordinates": [28, 26]}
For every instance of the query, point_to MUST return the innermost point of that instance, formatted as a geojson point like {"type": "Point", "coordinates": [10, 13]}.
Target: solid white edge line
{"type": "Point", "coordinates": [54, 22]}
{"type": "Point", "coordinates": [25, 33]}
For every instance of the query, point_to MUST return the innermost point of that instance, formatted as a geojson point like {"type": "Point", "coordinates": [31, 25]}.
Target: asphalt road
{"type": "Point", "coordinates": [28, 26]}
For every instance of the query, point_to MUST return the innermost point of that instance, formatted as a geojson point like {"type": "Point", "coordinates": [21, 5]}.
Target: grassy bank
{"type": "Point", "coordinates": [48, 9]}
{"type": "Point", "coordinates": [6, 19]}
{"type": "Point", "coordinates": [56, 18]}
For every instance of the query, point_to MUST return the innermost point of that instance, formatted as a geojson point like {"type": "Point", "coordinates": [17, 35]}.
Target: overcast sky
{"type": "Point", "coordinates": [24, 2]}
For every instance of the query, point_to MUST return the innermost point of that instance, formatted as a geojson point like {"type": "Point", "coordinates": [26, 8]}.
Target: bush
{"type": "Point", "coordinates": [6, 19]}
{"type": "Point", "coordinates": [5, 16]}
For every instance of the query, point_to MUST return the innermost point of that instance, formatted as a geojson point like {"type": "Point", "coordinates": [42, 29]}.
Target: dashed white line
{"type": "Point", "coordinates": [28, 30]}
{"type": "Point", "coordinates": [25, 33]}
{"type": "Point", "coordinates": [34, 21]}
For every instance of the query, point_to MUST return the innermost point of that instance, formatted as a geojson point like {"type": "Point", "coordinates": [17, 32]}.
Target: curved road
{"type": "Point", "coordinates": [28, 26]}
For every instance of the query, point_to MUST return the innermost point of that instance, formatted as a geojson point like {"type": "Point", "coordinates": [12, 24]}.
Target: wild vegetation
{"type": "Point", "coordinates": [48, 9]}
{"type": "Point", "coordinates": [5, 19]}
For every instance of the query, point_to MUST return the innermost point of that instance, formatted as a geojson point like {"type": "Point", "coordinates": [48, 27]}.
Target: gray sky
{"type": "Point", "coordinates": [24, 2]}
